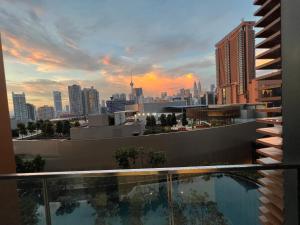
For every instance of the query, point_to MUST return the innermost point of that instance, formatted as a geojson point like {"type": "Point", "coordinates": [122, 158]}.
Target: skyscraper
{"type": "Point", "coordinates": [31, 112]}
{"type": "Point", "coordinates": [20, 107]}
{"type": "Point", "coordinates": [90, 101]}
{"type": "Point", "coordinates": [45, 112]}
{"type": "Point", "coordinates": [199, 87]}
{"type": "Point", "coordinates": [196, 91]}
{"type": "Point", "coordinates": [235, 65]}
{"type": "Point", "coordinates": [57, 102]}
{"type": "Point", "coordinates": [75, 99]}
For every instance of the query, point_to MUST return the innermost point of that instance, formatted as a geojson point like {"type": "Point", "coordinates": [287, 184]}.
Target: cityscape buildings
{"type": "Point", "coordinates": [57, 103]}
{"type": "Point", "coordinates": [31, 112]}
{"type": "Point", "coordinates": [272, 195]}
{"type": "Point", "coordinates": [20, 107]}
{"type": "Point", "coordinates": [90, 101]}
{"type": "Point", "coordinates": [235, 61]}
{"type": "Point", "coordinates": [45, 112]}
{"type": "Point", "coordinates": [75, 100]}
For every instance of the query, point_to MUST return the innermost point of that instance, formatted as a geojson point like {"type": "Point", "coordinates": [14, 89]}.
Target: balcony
{"type": "Point", "coordinates": [185, 195]}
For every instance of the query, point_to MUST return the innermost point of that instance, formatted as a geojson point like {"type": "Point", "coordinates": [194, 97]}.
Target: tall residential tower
{"type": "Point", "coordinates": [235, 62]}
{"type": "Point", "coordinates": [75, 99]}
{"type": "Point", "coordinates": [57, 102]}
{"type": "Point", "coordinates": [20, 107]}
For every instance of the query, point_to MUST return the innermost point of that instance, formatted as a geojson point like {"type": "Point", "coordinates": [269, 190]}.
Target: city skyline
{"type": "Point", "coordinates": [163, 49]}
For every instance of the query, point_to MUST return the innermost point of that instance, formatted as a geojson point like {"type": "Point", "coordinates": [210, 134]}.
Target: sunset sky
{"type": "Point", "coordinates": [167, 44]}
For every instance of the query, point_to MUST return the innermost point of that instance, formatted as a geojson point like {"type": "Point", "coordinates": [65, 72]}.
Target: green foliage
{"type": "Point", "coordinates": [15, 133]}
{"type": "Point", "coordinates": [163, 120]}
{"type": "Point", "coordinates": [184, 120]}
{"type": "Point", "coordinates": [150, 121]}
{"type": "Point", "coordinates": [48, 128]}
{"type": "Point", "coordinates": [39, 124]}
{"type": "Point", "coordinates": [127, 157]}
{"type": "Point", "coordinates": [31, 126]}
{"type": "Point", "coordinates": [22, 129]}
{"type": "Point", "coordinates": [173, 119]}
{"type": "Point", "coordinates": [59, 127]}
{"type": "Point", "coordinates": [157, 159]}
{"type": "Point", "coordinates": [37, 164]}
{"type": "Point", "coordinates": [76, 124]}
{"type": "Point", "coordinates": [169, 120]}
{"type": "Point", "coordinates": [66, 127]}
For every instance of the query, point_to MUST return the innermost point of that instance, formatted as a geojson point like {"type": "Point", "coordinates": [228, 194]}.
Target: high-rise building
{"type": "Point", "coordinates": [235, 65]}
{"type": "Point", "coordinates": [212, 88]}
{"type": "Point", "coordinates": [196, 91]}
{"type": "Point", "coordinates": [138, 95]}
{"type": "Point", "coordinates": [75, 99]}
{"type": "Point", "coordinates": [31, 112]}
{"type": "Point", "coordinates": [90, 101]}
{"type": "Point", "coordinates": [20, 107]}
{"type": "Point", "coordinates": [67, 109]}
{"type": "Point", "coordinates": [199, 87]}
{"type": "Point", "coordinates": [45, 112]}
{"type": "Point", "coordinates": [57, 102]}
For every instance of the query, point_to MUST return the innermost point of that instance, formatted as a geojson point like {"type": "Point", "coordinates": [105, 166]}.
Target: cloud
{"type": "Point", "coordinates": [30, 42]}
{"type": "Point", "coordinates": [195, 66]}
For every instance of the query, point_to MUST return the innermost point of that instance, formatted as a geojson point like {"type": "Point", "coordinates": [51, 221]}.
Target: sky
{"type": "Point", "coordinates": [165, 44]}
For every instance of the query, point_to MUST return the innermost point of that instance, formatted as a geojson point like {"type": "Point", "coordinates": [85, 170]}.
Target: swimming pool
{"type": "Point", "coordinates": [206, 199]}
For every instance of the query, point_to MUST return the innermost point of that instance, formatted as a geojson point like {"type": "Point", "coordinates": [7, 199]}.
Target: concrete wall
{"type": "Point", "coordinates": [92, 133]}
{"type": "Point", "coordinates": [232, 144]}
{"type": "Point", "coordinates": [98, 120]}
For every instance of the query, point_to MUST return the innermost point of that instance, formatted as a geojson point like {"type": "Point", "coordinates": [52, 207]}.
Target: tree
{"type": "Point", "coordinates": [48, 128]}
{"type": "Point", "coordinates": [22, 129]}
{"type": "Point", "coordinates": [173, 119]}
{"type": "Point", "coordinates": [59, 127]}
{"type": "Point", "coordinates": [169, 120]}
{"type": "Point", "coordinates": [15, 133]}
{"type": "Point", "coordinates": [31, 126]}
{"type": "Point", "coordinates": [76, 124]}
{"type": "Point", "coordinates": [163, 120]}
{"type": "Point", "coordinates": [148, 121]}
{"type": "Point", "coordinates": [184, 120]}
{"type": "Point", "coordinates": [66, 127]}
{"type": "Point", "coordinates": [126, 157]}
{"type": "Point", "coordinates": [157, 159]}
{"type": "Point", "coordinates": [37, 164]}
{"type": "Point", "coordinates": [39, 124]}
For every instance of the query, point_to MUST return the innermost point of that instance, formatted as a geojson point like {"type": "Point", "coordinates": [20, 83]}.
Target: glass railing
{"type": "Point", "coordinates": [213, 195]}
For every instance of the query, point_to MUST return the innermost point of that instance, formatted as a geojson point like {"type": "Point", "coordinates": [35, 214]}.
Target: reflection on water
{"type": "Point", "coordinates": [208, 200]}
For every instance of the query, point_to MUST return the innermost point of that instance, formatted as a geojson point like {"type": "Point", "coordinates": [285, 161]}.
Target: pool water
{"type": "Point", "coordinates": [218, 199]}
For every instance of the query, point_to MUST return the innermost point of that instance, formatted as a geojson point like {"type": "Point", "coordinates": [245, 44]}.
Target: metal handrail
{"type": "Point", "coordinates": [150, 171]}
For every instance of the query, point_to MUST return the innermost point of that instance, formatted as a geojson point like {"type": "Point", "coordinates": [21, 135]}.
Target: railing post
{"type": "Point", "coordinates": [46, 202]}
{"type": "Point", "coordinates": [170, 199]}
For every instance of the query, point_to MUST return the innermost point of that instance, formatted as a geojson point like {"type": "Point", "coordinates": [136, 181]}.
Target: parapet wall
{"type": "Point", "coordinates": [231, 144]}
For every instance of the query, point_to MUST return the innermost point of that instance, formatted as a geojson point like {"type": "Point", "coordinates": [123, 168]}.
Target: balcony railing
{"type": "Point", "coordinates": [227, 194]}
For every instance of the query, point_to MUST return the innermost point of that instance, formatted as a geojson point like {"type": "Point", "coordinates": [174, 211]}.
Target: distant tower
{"type": "Point", "coordinates": [199, 87]}
{"type": "Point", "coordinates": [131, 96]}
{"type": "Point", "coordinates": [196, 92]}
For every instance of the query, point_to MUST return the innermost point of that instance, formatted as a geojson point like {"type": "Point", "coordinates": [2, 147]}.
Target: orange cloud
{"type": "Point", "coordinates": [106, 60]}
{"type": "Point", "coordinates": [155, 82]}
{"type": "Point", "coordinates": [44, 60]}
